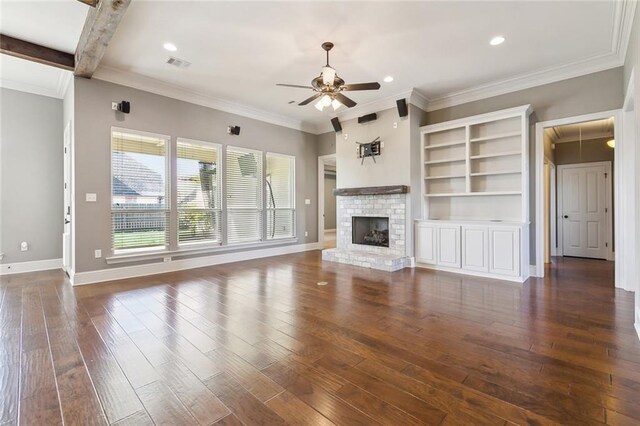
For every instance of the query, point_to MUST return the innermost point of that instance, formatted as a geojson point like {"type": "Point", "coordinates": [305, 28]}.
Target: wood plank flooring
{"type": "Point", "coordinates": [259, 342]}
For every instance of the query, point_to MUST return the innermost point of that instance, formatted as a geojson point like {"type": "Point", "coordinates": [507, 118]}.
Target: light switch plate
{"type": "Point", "coordinates": [98, 254]}
{"type": "Point", "coordinates": [307, 201]}
{"type": "Point", "coordinates": [91, 198]}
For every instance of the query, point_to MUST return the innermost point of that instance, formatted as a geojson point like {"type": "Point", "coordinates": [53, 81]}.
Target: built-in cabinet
{"type": "Point", "coordinates": [475, 187]}
{"type": "Point", "coordinates": [484, 249]}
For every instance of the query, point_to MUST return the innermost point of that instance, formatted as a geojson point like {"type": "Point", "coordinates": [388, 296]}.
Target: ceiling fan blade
{"type": "Point", "coordinates": [362, 86]}
{"type": "Point", "coordinates": [297, 86]}
{"type": "Point", "coordinates": [311, 99]}
{"type": "Point", "coordinates": [344, 100]}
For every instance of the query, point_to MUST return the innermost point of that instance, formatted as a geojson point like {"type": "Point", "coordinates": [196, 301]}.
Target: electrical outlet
{"type": "Point", "coordinates": [306, 234]}
{"type": "Point", "coordinates": [98, 254]}
{"type": "Point", "coordinates": [91, 198]}
{"type": "Point", "coordinates": [24, 246]}
{"type": "Point", "coordinates": [167, 259]}
{"type": "Point", "coordinates": [395, 124]}
{"type": "Point", "coordinates": [307, 201]}
{"type": "Point", "coordinates": [346, 136]}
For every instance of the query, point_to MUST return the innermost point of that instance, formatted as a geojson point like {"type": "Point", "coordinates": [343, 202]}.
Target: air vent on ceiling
{"type": "Point", "coordinates": [180, 63]}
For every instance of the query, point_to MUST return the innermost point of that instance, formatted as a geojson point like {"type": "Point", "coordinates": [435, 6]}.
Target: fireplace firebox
{"type": "Point", "coordinates": [370, 231]}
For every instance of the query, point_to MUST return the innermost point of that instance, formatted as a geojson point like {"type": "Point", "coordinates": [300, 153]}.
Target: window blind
{"type": "Point", "coordinates": [280, 196]}
{"type": "Point", "coordinates": [199, 192]}
{"type": "Point", "coordinates": [244, 195]}
{"type": "Point", "coordinates": [139, 191]}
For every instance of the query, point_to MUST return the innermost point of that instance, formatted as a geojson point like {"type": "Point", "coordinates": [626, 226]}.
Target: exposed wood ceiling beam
{"type": "Point", "coordinates": [36, 53]}
{"type": "Point", "coordinates": [100, 25]}
{"type": "Point", "coordinates": [91, 3]}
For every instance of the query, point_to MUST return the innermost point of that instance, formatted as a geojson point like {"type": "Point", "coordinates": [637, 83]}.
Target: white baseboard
{"type": "Point", "coordinates": [533, 271]}
{"type": "Point", "coordinates": [33, 266]}
{"type": "Point", "coordinates": [92, 277]}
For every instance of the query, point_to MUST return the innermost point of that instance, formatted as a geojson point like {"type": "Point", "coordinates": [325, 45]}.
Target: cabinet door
{"type": "Point", "coordinates": [475, 248]}
{"type": "Point", "coordinates": [448, 249]}
{"type": "Point", "coordinates": [425, 243]}
{"type": "Point", "coordinates": [504, 250]}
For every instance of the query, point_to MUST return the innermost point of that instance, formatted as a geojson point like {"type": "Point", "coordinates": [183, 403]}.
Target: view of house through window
{"type": "Point", "coordinates": [139, 191]}
{"type": "Point", "coordinates": [259, 193]}
{"type": "Point", "coordinates": [199, 192]}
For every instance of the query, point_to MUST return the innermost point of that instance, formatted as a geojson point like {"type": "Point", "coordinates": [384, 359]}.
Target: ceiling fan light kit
{"type": "Point", "coordinates": [328, 87]}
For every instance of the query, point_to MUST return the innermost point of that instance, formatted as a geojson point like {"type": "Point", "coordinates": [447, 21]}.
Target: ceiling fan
{"type": "Point", "coordinates": [329, 87]}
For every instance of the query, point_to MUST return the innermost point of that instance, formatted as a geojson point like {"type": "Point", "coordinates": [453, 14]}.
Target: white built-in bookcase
{"type": "Point", "coordinates": [476, 168]}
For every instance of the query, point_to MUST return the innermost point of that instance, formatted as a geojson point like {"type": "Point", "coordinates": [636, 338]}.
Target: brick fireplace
{"type": "Point", "coordinates": [371, 227]}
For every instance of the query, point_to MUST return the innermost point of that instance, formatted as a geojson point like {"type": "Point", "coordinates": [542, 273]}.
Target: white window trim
{"type": "Point", "coordinates": [167, 209]}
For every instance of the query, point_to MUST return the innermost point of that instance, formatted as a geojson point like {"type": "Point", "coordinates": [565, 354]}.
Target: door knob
{"type": "Point", "coordinates": [566, 216]}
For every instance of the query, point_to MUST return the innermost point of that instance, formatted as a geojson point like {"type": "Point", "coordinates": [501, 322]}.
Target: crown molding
{"type": "Point", "coordinates": [29, 88]}
{"type": "Point", "coordinates": [148, 84]}
{"type": "Point", "coordinates": [623, 21]}
{"type": "Point", "coordinates": [63, 83]}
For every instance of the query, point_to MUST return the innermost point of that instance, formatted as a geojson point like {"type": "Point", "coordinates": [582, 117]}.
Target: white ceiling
{"type": "Point", "coordinates": [52, 23]}
{"type": "Point", "coordinates": [56, 24]}
{"type": "Point", "coordinates": [595, 129]}
{"type": "Point", "coordinates": [240, 50]}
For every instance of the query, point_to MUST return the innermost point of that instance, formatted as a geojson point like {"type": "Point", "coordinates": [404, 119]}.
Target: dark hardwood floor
{"type": "Point", "coordinates": [259, 342]}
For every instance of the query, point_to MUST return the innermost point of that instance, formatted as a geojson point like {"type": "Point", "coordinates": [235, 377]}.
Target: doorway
{"type": "Point", "coordinates": [327, 209]}
{"type": "Point", "coordinates": [585, 152]}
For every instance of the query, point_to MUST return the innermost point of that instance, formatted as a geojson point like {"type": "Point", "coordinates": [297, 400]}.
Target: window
{"type": "Point", "coordinates": [280, 196]}
{"type": "Point", "coordinates": [139, 191]}
{"type": "Point", "coordinates": [199, 192]}
{"type": "Point", "coordinates": [244, 195]}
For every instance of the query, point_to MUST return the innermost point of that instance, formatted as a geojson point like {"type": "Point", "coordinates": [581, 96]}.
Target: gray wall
{"type": "Point", "coordinates": [633, 51]}
{"type": "Point", "coordinates": [329, 200]}
{"type": "Point", "coordinates": [327, 143]}
{"type": "Point", "coordinates": [31, 170]}
{"type": "Point", "coordinates": [590, 93]}
{"type": "Point", "coordinates": [592, 150]}
{"type": "Point", "coordinates": [159, 114]}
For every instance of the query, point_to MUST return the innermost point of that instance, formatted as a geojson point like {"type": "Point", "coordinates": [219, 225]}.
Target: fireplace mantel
{"type": "Point", "coordinates": [372, 190]}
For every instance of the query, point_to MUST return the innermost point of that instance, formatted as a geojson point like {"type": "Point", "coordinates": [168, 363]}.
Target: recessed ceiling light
{"type": "Point", "coordinates": [170, 47]}
{"type": "Point", "coordinates": [388, 79]}
{"type": "Point", "coordinates": [497, 40]}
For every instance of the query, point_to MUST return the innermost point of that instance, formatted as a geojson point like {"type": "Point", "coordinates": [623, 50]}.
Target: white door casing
{"type": "Point", "coordinates": [584, 209]}
{"type": "Point", "coordinates": [66, 214]}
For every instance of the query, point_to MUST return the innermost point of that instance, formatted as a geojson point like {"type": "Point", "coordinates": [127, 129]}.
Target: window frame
{"type": "Point", "coordinates": [259, 210]}
{"type": "Point", "coordinates": [293, 196]}
{"type": "Point", "coordinates": [168, 190]}
{"type": "Point", "coordinates": [220, 182]}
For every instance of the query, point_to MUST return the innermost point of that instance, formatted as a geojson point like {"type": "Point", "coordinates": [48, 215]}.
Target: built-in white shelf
{"type": "Point", "coordinates": [448, 160]}
{"type": "Point", "coordinates": [445, 177]}
{"type": "Point", "coordinates": [475, 204]}
{"type": "Point", "coordinates": [504, 172]}
{"type": "Point", "coordinates": [444, 145]}
{"type": "Point", "coordinates": [494, 137]}
{"type": "Point", "coordinates": [496, 154]}
{"type": "Point", "coordinates": [474, 194]}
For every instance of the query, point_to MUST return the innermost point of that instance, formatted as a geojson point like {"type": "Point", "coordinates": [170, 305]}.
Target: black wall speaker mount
{"type": "Point", "coordinates": [403, 111]}
{"type": "Point", "coordinates": [337, 127]}
{"type": "Point", "coordinates": [123, 107]}
{"type": "Point", "coordinates": [367, 118]}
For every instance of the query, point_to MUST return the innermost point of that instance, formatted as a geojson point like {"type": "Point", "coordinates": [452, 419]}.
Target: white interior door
{"type": "Point", "coordinates": [66, 234]}
{"type": "Point", "coordinates": [584, 210]}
